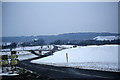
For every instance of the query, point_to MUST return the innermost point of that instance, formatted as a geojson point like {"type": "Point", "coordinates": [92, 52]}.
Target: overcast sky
{"type": "Point", "coordinates": [51, 18]}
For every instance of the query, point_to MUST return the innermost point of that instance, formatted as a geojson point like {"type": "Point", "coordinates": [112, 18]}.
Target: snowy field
{"type": "Point", "coordinates": [102, 38]}
{"type": "Point", "coordinates": [88, 57]}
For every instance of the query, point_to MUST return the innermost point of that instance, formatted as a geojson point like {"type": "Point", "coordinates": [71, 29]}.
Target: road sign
{"type": "Point", "coordinates": [14, 62]}
{"type": "Point", "coordinates": [3, 63]}
{"type": "Point", "coordinates": [3, 57]}
{"type": "Point", "coordinates": [14, 56]}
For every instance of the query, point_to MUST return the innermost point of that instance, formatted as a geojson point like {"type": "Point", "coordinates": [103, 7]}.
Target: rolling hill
{"type": "Point", "coordinates": [51, 38]}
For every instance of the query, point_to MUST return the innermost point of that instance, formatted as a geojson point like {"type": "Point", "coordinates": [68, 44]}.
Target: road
{"type": "Point", "coordinates": [61, 73]}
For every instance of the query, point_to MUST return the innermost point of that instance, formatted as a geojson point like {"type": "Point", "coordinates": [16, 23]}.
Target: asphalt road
{"type": "Point", "coordinates": [61, 73]}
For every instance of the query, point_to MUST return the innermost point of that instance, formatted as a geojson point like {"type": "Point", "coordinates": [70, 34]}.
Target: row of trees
{"type": "Point", "coordinates": [11, 46]}
{"type": "Point", "coordinates": [85, 42]}
{"type": "Point", "coordinates": [37, 42]}
{"type": "Point", "coordinates": [33, 43]}
{"type": "Point", "coordinates": [41, 42]}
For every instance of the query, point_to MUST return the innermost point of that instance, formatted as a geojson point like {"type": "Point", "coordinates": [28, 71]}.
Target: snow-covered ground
{"type": "Point", "coordinates": [65, 46]}
{"type": "Point", "coordinates": [22, 55]}
{"type": "Point", "coordinates": [61, 47]}
{"type": "Point", "coordinates": [8, 71]}
{"type": "Point", "coordinates": [7, 74]}
{"type": "Point", "coordinates": [88, 57]}
{"type": "Point", "coordinates": [25, 55]}
{"type": "Point", "coordinates": [102, 38]}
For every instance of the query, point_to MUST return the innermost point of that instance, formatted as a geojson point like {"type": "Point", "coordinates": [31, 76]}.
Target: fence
{"type": "Point", "coordinates": [9, 62]}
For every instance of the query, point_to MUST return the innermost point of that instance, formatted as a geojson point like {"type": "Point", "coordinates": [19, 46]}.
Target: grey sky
{"type": "Point", "coordinates": [50, 18]}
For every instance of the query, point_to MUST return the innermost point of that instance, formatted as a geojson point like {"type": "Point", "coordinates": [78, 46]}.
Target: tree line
{"type": "Point", "coordinates": [38, 42]}
{"type": "Point", "coordinates": [85, 42]}
{"type": "Point", "coordinates": [41, 42]}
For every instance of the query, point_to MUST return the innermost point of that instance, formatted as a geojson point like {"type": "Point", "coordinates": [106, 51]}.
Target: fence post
{"type": "Point", "coordinates": [67, 57]}
{"type": "Point", "coordinates": [14, 60]}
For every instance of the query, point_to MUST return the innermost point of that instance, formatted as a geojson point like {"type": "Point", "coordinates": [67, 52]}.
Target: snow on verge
{"type": "Point", "coordinates": [22, 55]}
{"type": "Point", "coordinates": [7, 74]}
{"type": "Point", "coordinates": [90, 57]}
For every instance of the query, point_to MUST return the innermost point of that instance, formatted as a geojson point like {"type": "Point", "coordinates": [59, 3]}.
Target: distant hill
{"type": "Point", "coordinates": [51, 38]}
